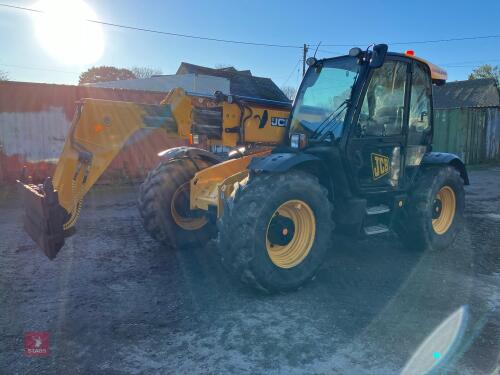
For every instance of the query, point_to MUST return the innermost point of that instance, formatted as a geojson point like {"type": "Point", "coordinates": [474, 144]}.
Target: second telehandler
{"type": "Point", "coordinates": [178, 197]}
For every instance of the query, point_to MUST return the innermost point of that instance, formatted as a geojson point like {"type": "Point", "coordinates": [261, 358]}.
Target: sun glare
{"type": "Point", "coordinates": [65, 34]}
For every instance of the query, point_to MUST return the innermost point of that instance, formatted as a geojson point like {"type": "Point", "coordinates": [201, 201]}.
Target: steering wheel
{"type": "Point", "coordinates": [370, 126]}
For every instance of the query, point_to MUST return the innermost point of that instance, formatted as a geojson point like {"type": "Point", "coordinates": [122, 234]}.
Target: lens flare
{"type": "Point", "coordinates": [439, 345]}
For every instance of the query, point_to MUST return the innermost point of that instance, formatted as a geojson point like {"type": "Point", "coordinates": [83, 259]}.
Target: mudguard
{"type": "Point", "coordinates": [190, 152]}
{"type": "Point", "coordinates": [443, 158]}
{"type": "Point", "coordinates": [281, 162]}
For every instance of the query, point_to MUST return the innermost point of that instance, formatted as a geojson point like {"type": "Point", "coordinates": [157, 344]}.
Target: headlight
{"type": "Point", "coordinates": [298, 140]}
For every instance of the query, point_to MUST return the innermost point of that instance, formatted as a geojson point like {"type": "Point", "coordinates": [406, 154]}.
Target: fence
{"type": "Point", "coordinates": [471, 133]}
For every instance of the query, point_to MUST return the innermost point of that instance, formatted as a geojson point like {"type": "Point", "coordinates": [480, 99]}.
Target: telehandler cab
{"type": "Point", "coordinates": [355, 156]}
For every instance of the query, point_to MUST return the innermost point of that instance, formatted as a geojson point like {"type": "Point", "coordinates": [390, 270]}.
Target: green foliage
{"type": "Point", "coordinates": [222, 66]}
{"type": "Point", "coordinates": [289, 91]}
{"type": "Point", "coordinates": [4, 76]}
{"type": "Point", "coordinates": [486, 71]}
{"type": "Point", "coordinates": [145, 71]}
{"type": "Point", "coordinates": [105, 74]}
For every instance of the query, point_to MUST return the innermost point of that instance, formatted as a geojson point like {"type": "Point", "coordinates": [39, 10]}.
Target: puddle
{"type": "Point", "coordinates": [492, 216]}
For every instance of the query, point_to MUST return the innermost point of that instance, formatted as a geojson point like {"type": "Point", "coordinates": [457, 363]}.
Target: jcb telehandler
{"type": "Point", "coordinates": [354, 155]}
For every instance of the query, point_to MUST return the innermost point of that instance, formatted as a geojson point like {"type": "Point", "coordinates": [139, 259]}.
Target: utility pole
{"type": "Point", "coordinates": [304, 57]}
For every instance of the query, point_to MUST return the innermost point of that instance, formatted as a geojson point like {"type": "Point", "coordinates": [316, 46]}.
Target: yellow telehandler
{"type": "Point", "coordinates": [178, 196]}
{"type": "Point", "coordinates": [353, 155]}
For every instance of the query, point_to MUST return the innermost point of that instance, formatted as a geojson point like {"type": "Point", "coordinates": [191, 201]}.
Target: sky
{"type": "Point", "coordinates": [25, 57]}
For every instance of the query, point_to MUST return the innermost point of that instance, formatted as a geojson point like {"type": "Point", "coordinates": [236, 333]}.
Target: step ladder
{"type": "Point", "coordinates": [379, 228]}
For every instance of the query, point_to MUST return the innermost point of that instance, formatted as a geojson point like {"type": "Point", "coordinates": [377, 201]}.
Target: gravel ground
{"type": "Point", "coordinates": [115, 302]}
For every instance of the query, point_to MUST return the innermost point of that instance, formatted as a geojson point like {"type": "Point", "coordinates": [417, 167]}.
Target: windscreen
{"type": "Point", "coordinates": [322, 100]}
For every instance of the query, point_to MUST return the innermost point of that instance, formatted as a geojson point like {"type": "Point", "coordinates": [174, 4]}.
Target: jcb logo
{"type": "Point", "coordinates": [279, 121]}
{"type": "Point", "coordinates": [380, 166]}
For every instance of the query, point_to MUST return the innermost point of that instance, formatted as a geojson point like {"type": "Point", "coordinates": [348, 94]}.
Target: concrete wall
{"type": "Point", "coordinates": [34, 122]}
{"type": "Point", "coordinates": [201, 84]}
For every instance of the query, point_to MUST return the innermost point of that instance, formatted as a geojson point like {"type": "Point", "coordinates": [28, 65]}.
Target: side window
{"type": "Point", "coordinates": [382, 111]}
{"type": "Point", "coordinates": [420, 105]}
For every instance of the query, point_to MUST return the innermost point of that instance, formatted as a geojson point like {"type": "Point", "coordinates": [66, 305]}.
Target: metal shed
{"type": "Point", "coordinates": [467, 120]}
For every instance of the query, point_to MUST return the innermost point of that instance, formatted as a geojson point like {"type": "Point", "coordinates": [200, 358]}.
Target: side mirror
{"type": "Point", "coordinates": [311, 61]}
{"type": "Point", "coordinates": [355, 52]}
{"type": "Point", "coordinates": [378, 55]}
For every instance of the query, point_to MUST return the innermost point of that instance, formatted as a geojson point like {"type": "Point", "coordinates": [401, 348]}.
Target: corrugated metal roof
{"type": "Point", "coordinates": [242, 82]}
{"type": "Point", "coordinates": [465, 94]}
{"type": "Point", "coordinates": [36, 97]}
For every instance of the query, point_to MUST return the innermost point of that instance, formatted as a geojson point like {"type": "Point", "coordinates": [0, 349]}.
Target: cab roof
{"type": "Point", "coordinates": [438, 74]}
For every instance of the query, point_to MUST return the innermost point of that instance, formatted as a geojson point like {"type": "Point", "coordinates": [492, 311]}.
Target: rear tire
{"type": "Point", "coordinates": [434, 214]}
{"type": "Point", "coordinates": [275, 233]}
{"type": "Point", "coordinates": [173, 224]}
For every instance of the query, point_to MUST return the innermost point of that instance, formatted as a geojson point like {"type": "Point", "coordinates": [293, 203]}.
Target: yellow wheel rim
{"type": "Point", "coordinates": [443, 210]}
{"type": "Point", "coordinates": [181, 196]}
{"type": "Point", "coordinates": [297, 234]}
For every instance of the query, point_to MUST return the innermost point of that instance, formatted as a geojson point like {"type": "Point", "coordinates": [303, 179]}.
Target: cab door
{"type": "Point", "coordinates": [420, 119]}
{"type": "Point", "coordinates": [376, 146]}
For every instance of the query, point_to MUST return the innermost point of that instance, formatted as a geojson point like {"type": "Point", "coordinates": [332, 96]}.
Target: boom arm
{"type": "Point", "coordinates": [100, 129]}
{"type": "Point", "coordinates": [98, 133]}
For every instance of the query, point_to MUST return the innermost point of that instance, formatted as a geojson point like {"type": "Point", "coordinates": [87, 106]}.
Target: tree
{"type": "Point", "coordinates": [289, 91]}
{"type": "Point", "coordinates": [105, 74]}
{"type": "Point", "coordinates": [145, 71]}
{"type": "Point", "coordinates": [486, 71]}
{"type": "Point", "coordinates": [4, 76]}
{"type": "Point", "coordinates": [222, 66]}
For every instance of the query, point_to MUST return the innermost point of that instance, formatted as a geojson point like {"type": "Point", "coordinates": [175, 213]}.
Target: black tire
{"type": "Point", "coordinates": [415, 228]}
{"type": "Point", "coordinates": [244, 225]}
{"type": "Point", "coordinates": [155, 198]}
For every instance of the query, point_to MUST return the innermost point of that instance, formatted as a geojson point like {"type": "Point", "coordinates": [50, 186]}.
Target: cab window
{"type": "Point", "coordinates": [382, 111]}
{"type": "Point", "coordinates": [420, 105]}
{"type": "Point", "coordinates": [321, 103]}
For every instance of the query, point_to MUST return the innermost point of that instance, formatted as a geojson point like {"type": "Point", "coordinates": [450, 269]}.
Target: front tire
{"type": "Point", "coordinates": [434, 214]}
{"type": "Point", "coordinates": [275, 233]}
{"type": "Point", "coordinates": [164, 205]}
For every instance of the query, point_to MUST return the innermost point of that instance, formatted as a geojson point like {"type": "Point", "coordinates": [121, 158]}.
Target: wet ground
{"type": "Point", "coordinates": [114, 301]}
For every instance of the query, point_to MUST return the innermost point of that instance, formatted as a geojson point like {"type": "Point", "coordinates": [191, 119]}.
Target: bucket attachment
{"type": "Point", "coordinates": [44, 217]}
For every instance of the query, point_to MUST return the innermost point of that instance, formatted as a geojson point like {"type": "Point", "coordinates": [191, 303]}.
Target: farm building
{"type": "Point", "coordinates": [467, 120]}
{"type": "Point", "coordinates": [204, 80]}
